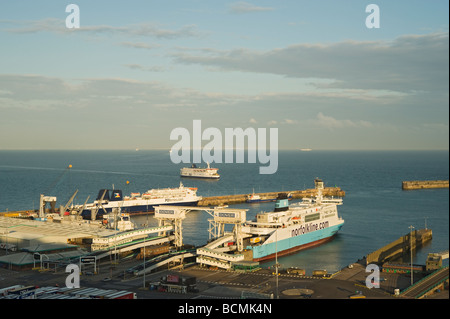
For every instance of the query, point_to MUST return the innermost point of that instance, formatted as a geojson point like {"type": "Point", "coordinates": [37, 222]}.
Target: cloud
{"type": "Point", "coordinates": [145, 68]}
{"type": "Point", "coordinates": [253, 121]}
{"type": "Point", "coordinates": [290, 122]}
{"type": "Point", "coordinates": [36, 92]}
{"type": "Point", "coordinates": [408, 63]}
{"type": "Point", "coordinates": [442, 127]}
{"type": "Point", "coordinates": [332, 123]}
{"type": "Point", "coordinates": [140, 45]}
{"type": "Point", "coordinates": [58, 26]}
{"type": "Point", "coordinates": [245, 7]}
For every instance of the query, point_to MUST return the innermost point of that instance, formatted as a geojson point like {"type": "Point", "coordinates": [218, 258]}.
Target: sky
{"type": "Point", "coordinates": [136, 70]}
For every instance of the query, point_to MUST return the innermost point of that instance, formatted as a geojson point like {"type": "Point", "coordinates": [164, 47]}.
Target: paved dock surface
{"type": "Point", "coordinates": [215, 284]}
{"type": "Point", "coordinates": [218, 284]}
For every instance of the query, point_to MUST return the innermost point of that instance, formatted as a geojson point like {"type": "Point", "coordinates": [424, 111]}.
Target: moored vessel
{"type": "Point", "coordinates": [139, 203]}
{"type": "Point", "coordinates": [292, 228]}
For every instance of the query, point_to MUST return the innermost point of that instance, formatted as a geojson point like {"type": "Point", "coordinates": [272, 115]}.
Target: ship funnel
{"type": "Point", "coordinates": [319, 187]}
{"type": "Point", "coordinates": [282, 203]}
{"type": "Point", "coordinates": [319, 183]}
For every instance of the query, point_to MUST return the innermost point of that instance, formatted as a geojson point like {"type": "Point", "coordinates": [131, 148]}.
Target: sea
{"type": "Point", "coordinates": [376, 210]}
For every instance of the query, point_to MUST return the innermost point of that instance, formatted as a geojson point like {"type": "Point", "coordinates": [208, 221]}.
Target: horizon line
{"type": "Point", "coordinates": [234, 149]}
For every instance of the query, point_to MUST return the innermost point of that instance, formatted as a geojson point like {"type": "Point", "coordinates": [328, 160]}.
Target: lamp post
{"type": "Point", "coordinates": [411, 252]}
{"type": "Point", "coordinates": [276, 262]}
{"type": "Point", "coordinates": [144, 263]}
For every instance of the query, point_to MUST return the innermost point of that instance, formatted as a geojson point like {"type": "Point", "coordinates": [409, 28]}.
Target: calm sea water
{"type": "Point", "coordinates": [376, 210]}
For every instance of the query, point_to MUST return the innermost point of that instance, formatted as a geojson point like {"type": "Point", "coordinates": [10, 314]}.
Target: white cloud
{"type": "Point", "coordinates": [253, 121]}
{"type": "Point", "coordinates": [332, 123]}
{"type": "Point", "coordinates": [140, 45]}
{"type": "Point", "coordinates": [289, 121]}
{"type": "Point", "coordinates": [245, 7]}
{"type": "Point", "coordinates": [145, 68]}
{"type": "Point", "coordinates": [58, 26]}
{"type": "Point", "coordinates": [409, 63]}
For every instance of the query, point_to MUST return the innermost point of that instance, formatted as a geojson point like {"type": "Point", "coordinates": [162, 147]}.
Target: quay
{"type": "Point", "coordinates": [400, 247]}
{"type": "Point", "coordinates": [241, 198]}
{"type": "Point", "coordinates": [219, 200]}
{"type": "Point", "coordinates": [410, 185]}
{"type": "Point", "coordinates": [118, 267]}
{"type": "Point", "coordinates": [139, 260]}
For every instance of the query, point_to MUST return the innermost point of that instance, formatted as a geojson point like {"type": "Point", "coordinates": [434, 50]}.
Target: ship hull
{"type": "Point", "coordinates": [199, 176]}
{"type": "Point", "coordinates": [137, 209]}
{"type": "Point", "coordinates": [294, 244]}
{"type": "Point", "coordinates": [250, 201]}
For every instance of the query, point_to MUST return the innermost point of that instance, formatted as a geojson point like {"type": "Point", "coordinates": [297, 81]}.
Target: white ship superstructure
{"type": "Point", "coordinates": [200, 172]}
{"type": "Point", "coordinates": [140, 204]}
{"type": "Point", "coordinates": [282, 231]}
{"type": "Point", "coordinates": [289, 229]}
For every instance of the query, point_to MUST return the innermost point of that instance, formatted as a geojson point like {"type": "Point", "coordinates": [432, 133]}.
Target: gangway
{"type": "Point", "coordinates": [219, 255]}
{"type": "Point", "coordinates": [131, 246]}
{"type": "Point", "coordinates": [220, 241]}
{"type": "Point", "coordinates": [427, 285]}
{"type": "Point", "coordinates": [102, 243]}
{"type": "Point", "coordinates": [162, 260]}
{"type": "Point", "coordinates": [212, 254]}
{"type": "Point", "coordinates": [172, 216]}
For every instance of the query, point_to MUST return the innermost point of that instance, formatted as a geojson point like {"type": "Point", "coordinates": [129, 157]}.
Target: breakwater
{"type": "Point", "coordinates": [400, 247]}
{"type": "Point", "coordinates": [241, 198]}
{"type": "Point", "coordinates": [409, 185]}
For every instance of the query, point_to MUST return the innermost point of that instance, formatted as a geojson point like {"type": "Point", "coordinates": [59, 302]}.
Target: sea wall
{"type": "Point", "coordinates": [408, 185]}
{"type": "Point", "coordinates": [241, 198]}
{"type": "Point", "coordinates": [400, 247]}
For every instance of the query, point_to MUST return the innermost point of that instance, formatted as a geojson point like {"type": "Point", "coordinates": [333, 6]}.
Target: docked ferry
{"type": "Point", "coordinates": [139, 203]}
{"type": "Point", "coordinates": [292, 228]}
{"type": "Point", "coordinates": [199, 172]}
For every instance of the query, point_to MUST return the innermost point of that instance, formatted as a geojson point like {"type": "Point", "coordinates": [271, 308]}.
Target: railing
{"type": "Point", "coordinates": [130, 235]}
{"type": "Point", "coordinates": [423, 280]}
{"type": "Point", "coordinates": [213, 262]}
{"type": "Point", "coordinates": [219, 255]}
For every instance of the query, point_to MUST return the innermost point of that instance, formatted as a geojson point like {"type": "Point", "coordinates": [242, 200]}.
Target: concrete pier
{"type": "Point", "coordinates": [409, 185]}
{"type": "Point", "coordinates": [400, 246]}
{"type": "Point", "coordinates": [241, 198]}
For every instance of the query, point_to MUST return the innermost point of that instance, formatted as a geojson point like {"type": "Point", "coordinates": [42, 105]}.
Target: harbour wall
{"type": "Point", "coordinates": [409, 185]}
{"type": "Point", "coordinates": [228, 199]}
{"type": "Point", "coordinates": [400, 247]}
{"type": "Point", "coordinates": [241, 198]}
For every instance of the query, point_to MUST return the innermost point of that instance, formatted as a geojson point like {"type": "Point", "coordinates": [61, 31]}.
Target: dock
{"type": "Point", "coordinates": [410, 185]}
{"type": "Point", "coordinates": [241, 198]}
{"type": "Point", "coordinates": [400, 247]}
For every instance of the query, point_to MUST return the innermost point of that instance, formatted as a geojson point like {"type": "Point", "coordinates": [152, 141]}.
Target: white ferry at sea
{"type": "Point", "coordinates": [139, 203]}
{"type": "Point", "coordinates": [199, 172]}
{"type": "Point", "coordinates": [292, 228]}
